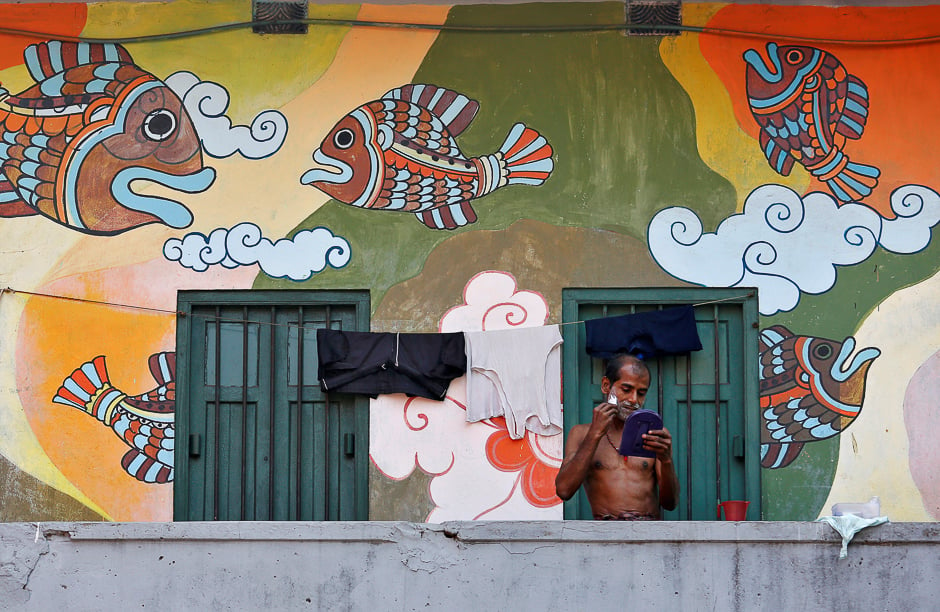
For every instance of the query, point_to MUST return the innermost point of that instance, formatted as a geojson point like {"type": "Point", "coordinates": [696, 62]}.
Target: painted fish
{"type": "Point", "coordinates": [71, 145]}
{"type": "Point", "coordinates": [144, 422]}
{"type": "Point", "coordinates": [810, 389]}
{"type": "Point", "coordinates": [398, 153]}
{"type": "Point", "coordinates": [807, 105]}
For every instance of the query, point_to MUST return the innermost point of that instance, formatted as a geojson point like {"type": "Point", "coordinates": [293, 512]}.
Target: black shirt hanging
{"type": "Point", "coordinates": [655, 333]}
{"type": "Point", "coordinates": [372, 363]}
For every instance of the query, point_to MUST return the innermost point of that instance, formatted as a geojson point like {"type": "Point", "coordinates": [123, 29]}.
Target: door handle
{"type": "Point", "coordinates": [737, 447]}
{"type": "Point", "coordinates": [195, 445]}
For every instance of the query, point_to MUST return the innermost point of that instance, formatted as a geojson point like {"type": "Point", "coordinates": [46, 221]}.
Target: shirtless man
{"type": "Point", "coordinates": [619, 488]}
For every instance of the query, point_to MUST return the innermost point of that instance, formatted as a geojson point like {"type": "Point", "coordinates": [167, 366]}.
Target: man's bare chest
{"type": "Point", "coordinates": [609, 460]}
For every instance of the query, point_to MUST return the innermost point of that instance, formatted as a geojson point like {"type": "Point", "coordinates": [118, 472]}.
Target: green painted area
{"type": "Point", "coordinates": [799, 491]}
{"type": "Point", "coordinates": [25, 498]}
{"type": "Point", "coordinates": [399, 500]}
{"type": "Point", "coordinates": [621, 127]}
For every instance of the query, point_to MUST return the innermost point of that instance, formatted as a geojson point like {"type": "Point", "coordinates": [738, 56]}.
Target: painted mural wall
{"type": "Point", "coordinates": [465, 172]}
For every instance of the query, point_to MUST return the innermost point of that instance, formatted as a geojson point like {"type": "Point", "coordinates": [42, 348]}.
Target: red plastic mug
{"type": "Point", "coordinates": [734, 510]}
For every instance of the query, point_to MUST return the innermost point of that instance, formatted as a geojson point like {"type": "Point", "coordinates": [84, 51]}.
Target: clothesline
{"type": "Point", "coordinates": [178, 313]}
{"type": "Point", "coordinates": [86, 301]}
{"type": "Point", "coordinates": [727, 299]}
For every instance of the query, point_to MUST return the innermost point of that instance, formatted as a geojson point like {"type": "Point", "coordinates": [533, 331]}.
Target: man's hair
{"type": "Point", "coordinates": [616, 363]}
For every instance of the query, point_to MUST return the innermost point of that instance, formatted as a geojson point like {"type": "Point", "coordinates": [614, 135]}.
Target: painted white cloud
{"type": "Point", "coordinates": [918, 210]}
{"type": "Point", "coordinates": [206, 103]}
{"type": "Point", "coordinates": [785, 245]}
{"type": "Point", "coordinates": [307, 253]}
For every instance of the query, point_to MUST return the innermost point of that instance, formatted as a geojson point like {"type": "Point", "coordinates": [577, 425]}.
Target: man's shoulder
{"type": "Point", "coordinates": [574, 438]}
{"type": "Point", "coordinates": [578, 431]}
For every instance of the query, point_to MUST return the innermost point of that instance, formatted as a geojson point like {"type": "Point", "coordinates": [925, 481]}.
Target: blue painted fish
{"type": "Point", "coordinates": [143, 422]}
{"type": "Point", "coordinates": [398, 153]}
{"type": "Point", "coordinates": [807, 105]}
{"type": "Point", "coordinates": [810, 389]}
{"type": "Point", "coordinates": [71, 145]}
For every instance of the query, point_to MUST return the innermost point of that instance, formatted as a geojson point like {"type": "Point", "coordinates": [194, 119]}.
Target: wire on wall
{"type": "Point", "coordinates": [177, 313]}
{"type": "Point", "coordinates": [481, 29]}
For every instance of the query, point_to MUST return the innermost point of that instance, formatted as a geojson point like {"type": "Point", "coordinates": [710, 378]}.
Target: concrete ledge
{"type": "Point", "coordinates": [488, 531]}
{"type": "Point", "coordinates": [466, 565]}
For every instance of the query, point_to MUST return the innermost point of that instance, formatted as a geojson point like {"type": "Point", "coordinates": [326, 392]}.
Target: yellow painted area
{"type": "Point", "coordinates": [260, 71]}
{"type": "Point", "coordinates": [726, 148]}
{"type": "Point", "coordinates": [16, 78]}
{"type": "Point", "coordinates": [906, 327]}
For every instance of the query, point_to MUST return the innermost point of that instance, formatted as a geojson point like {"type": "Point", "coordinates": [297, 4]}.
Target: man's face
{"type": "Point", "coordinates": [630, 389]}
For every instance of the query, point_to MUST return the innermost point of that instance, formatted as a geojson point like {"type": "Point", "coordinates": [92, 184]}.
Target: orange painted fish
{"type": "Point", "coordinates": [807, 105]}
{"type": "Point", "coordinates": [398, 153]}
{"type": "Point", "coordinates": [810, 389]}
{"type": "Point", "coordinates": [143, 422]}
{"type": "Point", "coordinates": [72, 144]}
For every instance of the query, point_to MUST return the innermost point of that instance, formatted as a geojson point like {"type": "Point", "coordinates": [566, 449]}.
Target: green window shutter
{"type": "Point", "coordinates": [257, 438]}
{"type": "Point", "coordinates": [708, 400]}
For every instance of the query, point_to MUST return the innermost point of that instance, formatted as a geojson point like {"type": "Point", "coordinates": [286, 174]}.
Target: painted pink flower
{"type": "Point", "coordinates": [477, 471]}
{"type": "Point", "coordinates": [492, 301]}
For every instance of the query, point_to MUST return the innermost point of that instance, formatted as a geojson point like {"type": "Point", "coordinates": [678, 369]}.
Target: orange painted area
{"type": "Point", "coordinates": [58, 336]}
{"type": "Point", "coordinates": [537, 479]}
{"type": "Point", "coordinates": [53, 18]}
{"type": "Point", "coordinates": [404, 13]}
{"type": "Point", "coordinates": [900, 135]}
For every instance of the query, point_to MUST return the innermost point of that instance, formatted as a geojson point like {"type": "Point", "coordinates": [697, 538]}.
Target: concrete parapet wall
{"type": "Point", "coordinates": [567, 565]}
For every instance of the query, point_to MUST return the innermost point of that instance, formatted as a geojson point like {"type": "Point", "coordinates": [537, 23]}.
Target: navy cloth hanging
{"type": "Point", "coordinates": [650, 334]}
{"type": "Point", "coordinates": [372, 363]}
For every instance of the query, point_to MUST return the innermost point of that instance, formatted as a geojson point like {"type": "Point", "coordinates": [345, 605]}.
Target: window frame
{"type": "Point", "coordinates": [187, 300]}
{"type": "Point", "coordinates": [573, 335]}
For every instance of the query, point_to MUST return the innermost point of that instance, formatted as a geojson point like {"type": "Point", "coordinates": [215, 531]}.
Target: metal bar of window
{"type": "Point", "coordinates": [688, 436]}
{"type": "Point", "coordinates": [604, 313]}
{"type": "Point", "coordinates": [244, 451]}
{"type": "Point", "coordinates": [659, 382]}
{"type": "Point", "coordinates": [326, 436]}
{"type": "Point", "coordinates": [300, 412]}
{"type": "Point", "coordinates": [272, 395]}
{"type": "Point", "coordinates": [218, 390]}
{"type": "Point", "coordinates": [717, 406]}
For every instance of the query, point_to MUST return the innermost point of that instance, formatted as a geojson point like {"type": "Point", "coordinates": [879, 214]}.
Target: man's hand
{"type": "Point", "coordinates": [603, 415]}
{"type": "Point", "coordinates": [658, 441]}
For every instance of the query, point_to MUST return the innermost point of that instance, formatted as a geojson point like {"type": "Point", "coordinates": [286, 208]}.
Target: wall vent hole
{"type": "Point", "coordinates": [652, 13]}
{"type": "Point", "coordinates": [273, 11]}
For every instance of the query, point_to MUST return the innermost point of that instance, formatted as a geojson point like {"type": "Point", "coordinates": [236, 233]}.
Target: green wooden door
{"type": "Point", "coordinates": [260, 440]}
{"type": "Point", "coordinates": [708, 400]}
